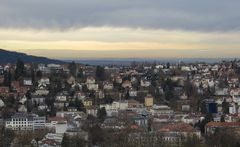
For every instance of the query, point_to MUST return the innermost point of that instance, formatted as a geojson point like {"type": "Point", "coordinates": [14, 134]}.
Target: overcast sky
{"type": "Point", "coordinates": [170, 27]}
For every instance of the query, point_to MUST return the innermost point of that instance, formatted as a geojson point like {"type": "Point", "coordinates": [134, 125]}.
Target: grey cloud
{"type": "Point", "coordinates": [196, 15]}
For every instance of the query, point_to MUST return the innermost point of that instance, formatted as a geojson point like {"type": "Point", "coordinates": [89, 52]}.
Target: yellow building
{"type": "Point", "coordinates": [148, 101]}
{"type": "Point", "coordinates": [87, 103]}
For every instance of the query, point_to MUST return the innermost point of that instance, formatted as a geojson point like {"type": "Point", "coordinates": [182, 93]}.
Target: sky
{"type": "Point", "coordinates": [121, 29]}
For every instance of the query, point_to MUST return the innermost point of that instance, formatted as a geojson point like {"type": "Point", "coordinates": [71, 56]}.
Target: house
{"type": "Point", "coordinates": [54, 66]}
{"type": "Point", "coordinates": [37, 99]}
{"type": "Point", "coordinates": [158, 110]}
{"type": "Point", "coordinates": [113, 123]}
{"type": "Point", "coordinates": [145, 83]}
{"type": "Point", "coordinates": [134, 80]}
{"type": "Point", "coordinates": [148, 101]}
{"type": "Point", "coordinates": [185, 107]}
{"type": "Point", "coordinates": [209, 106]}
{"type": "Point", "coordinates": [79, 95]}
{"type": "Point", "coordinates": [24, 121]}
{"type": "Point", "coordinates": [141, 120]}
{"type": "Point", "coordinates": [127, 84]}
{"type": "Point", "coordinates": [235, 92]}
{"type": "Point", "coordinates": [2, 104]}
{"type": "Point", "coordinates": [112, 109]}
{"type": "Point", "coordinates": [133, 104]}
{"type": "Point", "coordinates": [53, 121]}
{"type": "Point", "coordinates": [44, 80]}
{"type": "Point", "coordinates": [100, 94]}
{"type": "Point", "coordinates": [76, 86]}
{"type": "Point", "coordinates": [87, 103]}
{"type": "Point", "coordinates": [221, 92]}
{"type": "Point", "coordinates": [42, 106]}
{"type": "Point", "coordinates": [44, 69]}
{"type": "Point", "coordinates": [92, 87]}
{"type": "Point", "coordinates": [90, 80]}
{"type": "Point", "coordinates": [27, 82]}
{"type": "Point", "coordinates": [118, 79]}
{"type": "Point", "coordinates": [186, 68]}
{"type": "Point", "coordinates": [211, 127]}
{"type": "Point", "coordinates": [92, 111]}
{"type": "Point", "coordinates": [191, 119]}
{"type": "Point", "coordinates": [22, 108]}
{"type": "Point", "coordinates": [51, 140]}
{"type": "Point", "coordinates": [176, 132]}
{"type": "Point", "coordinates": [61, 96]}
{"type": "Point", "coordinates": [61, 128]}
{"type": "Point", "coordinates": [107, 85]}
{"type": "Point", "coordinates": [161, 119]}
{"type": "Point", "coordinates": [42, 89]}
{"type": "Point", "coordinates": [71, 80]}
{"type": "Point", "coordinates": [91, 83]}
{"type": "Point", "coordinates": [132, 93]}
{"type": "Point", "coordinates": [61, 104]}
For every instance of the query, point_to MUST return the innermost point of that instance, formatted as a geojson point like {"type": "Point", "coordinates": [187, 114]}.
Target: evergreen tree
{"type": "Point", "coordinates": [7, 78]}
{"type": "Point", "coordinates": [100, 73]}
{"type": "Point", "coordinates": [19, 72]}
{"type": "Point", "coordinates": [222, 118]}
{"type": "Point", "coordinates": [225, 107]}
{"type": "Point", "coordinates": [208, 118]}
{"type": "Point", "coordinates": [33, 75]}
{"type": "Point", "coordinates": [73, 68]}
{"type": "Point", "coordinates": [66, 141]}
{"type": "Point", "coordinates": [203, 107]}
{"type": "Point", "coordinates": [39, 74]}
{"type": "Point", "coordinates": [101, 114]}
{"type": "Point", "coordinates": [79, 105]}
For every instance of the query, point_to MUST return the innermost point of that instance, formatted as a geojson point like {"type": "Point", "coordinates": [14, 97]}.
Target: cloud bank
{"type": "Point", "coordinates": [190, 15]}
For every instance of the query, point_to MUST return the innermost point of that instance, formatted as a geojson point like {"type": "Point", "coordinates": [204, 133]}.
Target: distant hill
{"type": "Point", "coordinates": [11, 57]}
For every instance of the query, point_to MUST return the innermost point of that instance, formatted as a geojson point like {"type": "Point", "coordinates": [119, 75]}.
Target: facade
{"type": "Point", "coordinates": [25, 122]}
{"type": "Point", "coordinates": [176, 132]}
{"type": "Point", "coordinates": [158, 110]}
{"type": "Point", "coordinates": [27, 82]}
{"type": "Point", "coordinates": [38, 99]}
{"type": "Point", "coordinates": [211, 127]}
{"type": "Point", "coordinates": [108, 86]}
{"type": "Point", "coordinates": [148, 101]}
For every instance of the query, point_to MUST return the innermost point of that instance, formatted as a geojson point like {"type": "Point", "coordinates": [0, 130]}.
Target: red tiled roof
{"type": "Point", "coordinates": [178, 127]}
{"type": "Point", "coordinates": [223, 124]}
{"type": "Point", "coordinates": [49, 142]}
{"type": "Point", "coordinates": [57, 118]}
{"type": "Point", "coordinates": [134, 127]}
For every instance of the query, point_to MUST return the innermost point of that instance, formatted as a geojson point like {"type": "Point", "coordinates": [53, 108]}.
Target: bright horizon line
{"type": "Point", "coordinates": [123, 54]}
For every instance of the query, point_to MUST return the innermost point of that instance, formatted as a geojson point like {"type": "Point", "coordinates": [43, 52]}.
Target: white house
{"type": "Point", "coordinates": [112, 109]}
{"type": "Point", "coordinates": [157, 110]}
{"type": "Point", "coordinates": [90, 80]}
{"type": "Point", "coordinates": [126, 84]}
{"type": "Point", "coordinates": [92, 87]}
{"type": "Point", "coordinates": [108, 86]}
{"type": "Point", "coordinates": [145, 83]}
{"type": "Point", "coordinates": [1, 103]}
{"type": "Point", "coordinates": [27, 82]}
{"type": "Point", "coordinates": [132, 93]}
{"type": "Point", "coordinates": [44, 80]}
{"type": "Point", "coordinates": [24, 121]}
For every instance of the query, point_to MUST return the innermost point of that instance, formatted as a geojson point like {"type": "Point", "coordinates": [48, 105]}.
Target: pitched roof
{"type": "Point", "coordinates": [57, 118]}
{"type": "Point", "coordinates": [178, 127]}
{"type": "Point", "coordinates": [223, 124]}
